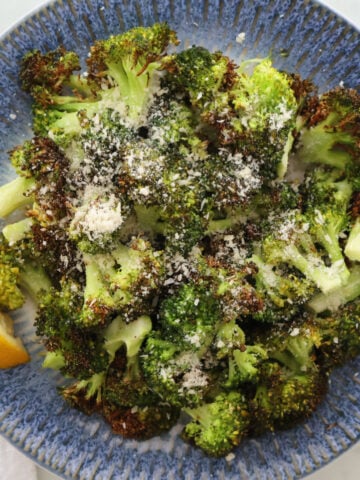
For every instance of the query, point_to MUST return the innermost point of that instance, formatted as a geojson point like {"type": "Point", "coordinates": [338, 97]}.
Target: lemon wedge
{"type": "Point", "coordinates": [12, 350]}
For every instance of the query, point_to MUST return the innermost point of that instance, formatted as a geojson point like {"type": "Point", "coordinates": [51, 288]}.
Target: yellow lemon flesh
{"type": "Point", "coordinates": [12, 351]}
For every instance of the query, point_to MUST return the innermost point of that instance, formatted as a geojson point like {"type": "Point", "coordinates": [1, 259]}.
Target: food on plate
{"type": "Point", "coordinates": [190, 234]}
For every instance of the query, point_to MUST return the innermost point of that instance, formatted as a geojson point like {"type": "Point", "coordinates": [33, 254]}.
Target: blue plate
{"type": "Point", "coordinates": [301, 36]}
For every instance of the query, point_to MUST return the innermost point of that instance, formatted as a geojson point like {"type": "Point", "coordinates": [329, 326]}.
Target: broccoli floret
{"type": "Point", "coordinates": [60, 95]}
{"type": "Point", "coordinates": [174, 357]}
{"type": "Point", "coordinates": [11, 296]}
{"type": "Point", "coordinates": [199, 74]}
{"type": "Point", "coordinates": [45, 75]}
{"type": "Point", "coordinates": [311, 244]}
{"type": "Point", "coordinates": [44, 253]}
{"type": "Point", "coordinates": [243, 359]}
{"type": "Point", "coordinates": [339, 333]}
{"type": "Point", "coordinates": [124, 280]}
{"type": "Point", "coordinates": [286, 398]}
{"type": "Point", "coordinates": [161, 367]}
{"type": "Point", "coordinates": [20, 271]}
{"type": "Point", "coordinates": [185, 202]}
{"type": "Point", "coordinates": [244, 365]}
{"type": "Point", "coordinates": [141, 423]}
{"type": "Point", "coordinates": [262, 117]}
{"type": "Point", "coordinates": [324, 185]}
{"type": "Point", "coordinates": [172, 127]}
{"type": "Point", "coordinates": [126, 64]}
{"type": "Point", "coordinates": [177, 375]}
{"type": "Point", "coordinates": [190, 317]}
{"type": "Point", "coordinates": [219, 426]}
{"type": "Point", "coordinates": [331, 131]}
{"type": "Point", "coordinates": [125, 384]}
{"type": "Point", "coordinates": [266, 108]}
{"type": "Point", "coordinates": [85, 395]}
{"type": "Point", "coordinates": [283, 291]}
{"type": "Point", "coordinates": [57, 323]}
{"type": "Point", "coordinates": [43, 171]}
{"type": "Point", "coordinates": [291, 384]}
{"type": "Point", "coordinates": [120, 70]}
{"type": "Point", "coordinates": [229, 337]}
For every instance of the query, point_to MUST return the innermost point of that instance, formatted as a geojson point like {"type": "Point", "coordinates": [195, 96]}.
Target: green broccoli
{"type": "Point", "coordinates": [220, 425]}
{"type": "Point", "coordinates": [352, 249]}
{"type": "Point", "coordinates": [120, 70]}
{"type": "Point", "coordinates": [283, 291]}
{"type": "Point", "coordinates": [11, 296]}
{"type": "Point", "coordinates": [330, 132]}
{"type": "Point", "coordinates": [188, 229]}
{"type": "Point", "coordinates": [332, 301]}
{"type": "Point", "coordinates": [340, 334]}
{"type": "Point", "coordinates": [15, 194]}
{"type": "Point", "coordinates": [85, 395]}
{"type": "Point", "coordinates": [126, 64]}
{"type": "Point", "coordinates": [125, 384]}
{"type": "Point", "coordinates": [123, 280]}
{"type": "Point", "coordinates": [199, 75]}
{"type": "Point", "coordinates": [291, 383]}
{"type": "Point", "coordinates": [243, 359]}
{"type": "Point", "coordinates": [174, 357]}
{"type": "Point", "coordinates": [190, 317]}
{"type": "Point", "coordinates": [57, 323]}
{"type": "Point", "coordinates": [310, 243]}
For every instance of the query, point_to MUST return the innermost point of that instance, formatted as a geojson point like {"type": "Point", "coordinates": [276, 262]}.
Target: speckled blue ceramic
{"type": "Point", "coordinates": [301, 36]}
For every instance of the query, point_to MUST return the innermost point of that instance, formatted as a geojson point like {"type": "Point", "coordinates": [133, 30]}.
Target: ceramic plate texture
{"type": "Point", "coordinates": [301, 36]}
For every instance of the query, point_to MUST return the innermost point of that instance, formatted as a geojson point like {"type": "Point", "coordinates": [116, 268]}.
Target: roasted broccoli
{"type": "Point", "coordinates": [220, 425]}
{"type": "Point", "coordinates": [11, 296]}
{"type": "Point", "coordinates": [330, 130]}
{"type": "Point", "coordinates": [189, 231]}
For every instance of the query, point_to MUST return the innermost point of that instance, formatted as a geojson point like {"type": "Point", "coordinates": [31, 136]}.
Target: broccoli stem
{"type": "Point", "coordinates": [133, 84]}
{"type": "Point", "coordinates": [267, 277]}
{"type": "Point", "coordinates": [284, 162]}
{"type": "Point", "coordinates": [352, 247]}
{"type": "Point", "coordinates": [15, 232]}
{"type": "Point", "coordinates": [326, 278]}
{"type": "Point", "coordinates": [317, 145]}
{"type": "Point", "coordinates": [94, 282]}
{"type": "Point", "coordinates": [201, 414]}
{"type": "Point", "coordinates": [54, 360]}
{"type": "Point", "coordinates": [233, 217]}
{"type": "Point", "coordinates": [34, 280]}
{"type": "Point", "coordinates": [15, 194]}
{"type": "Point", "coordinates": [335, 299]}
{"type": "Point", "coordinates": [131, 334]}
{"type": "Point", "coordinates": [297, 356]}
{"type": "Point", "coordinates": [93, 386]}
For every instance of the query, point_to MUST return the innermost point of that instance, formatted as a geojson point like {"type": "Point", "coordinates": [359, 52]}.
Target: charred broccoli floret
{"type": "Point", "coordinates": [330, 132]}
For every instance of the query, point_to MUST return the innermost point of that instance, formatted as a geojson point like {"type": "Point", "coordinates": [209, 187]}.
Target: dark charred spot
{"type": "Point", "coordinates": [143, 132]}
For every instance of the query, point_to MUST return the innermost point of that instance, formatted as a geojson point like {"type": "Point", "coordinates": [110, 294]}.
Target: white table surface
{"type": "Point", "coordinates": [347, 467]}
